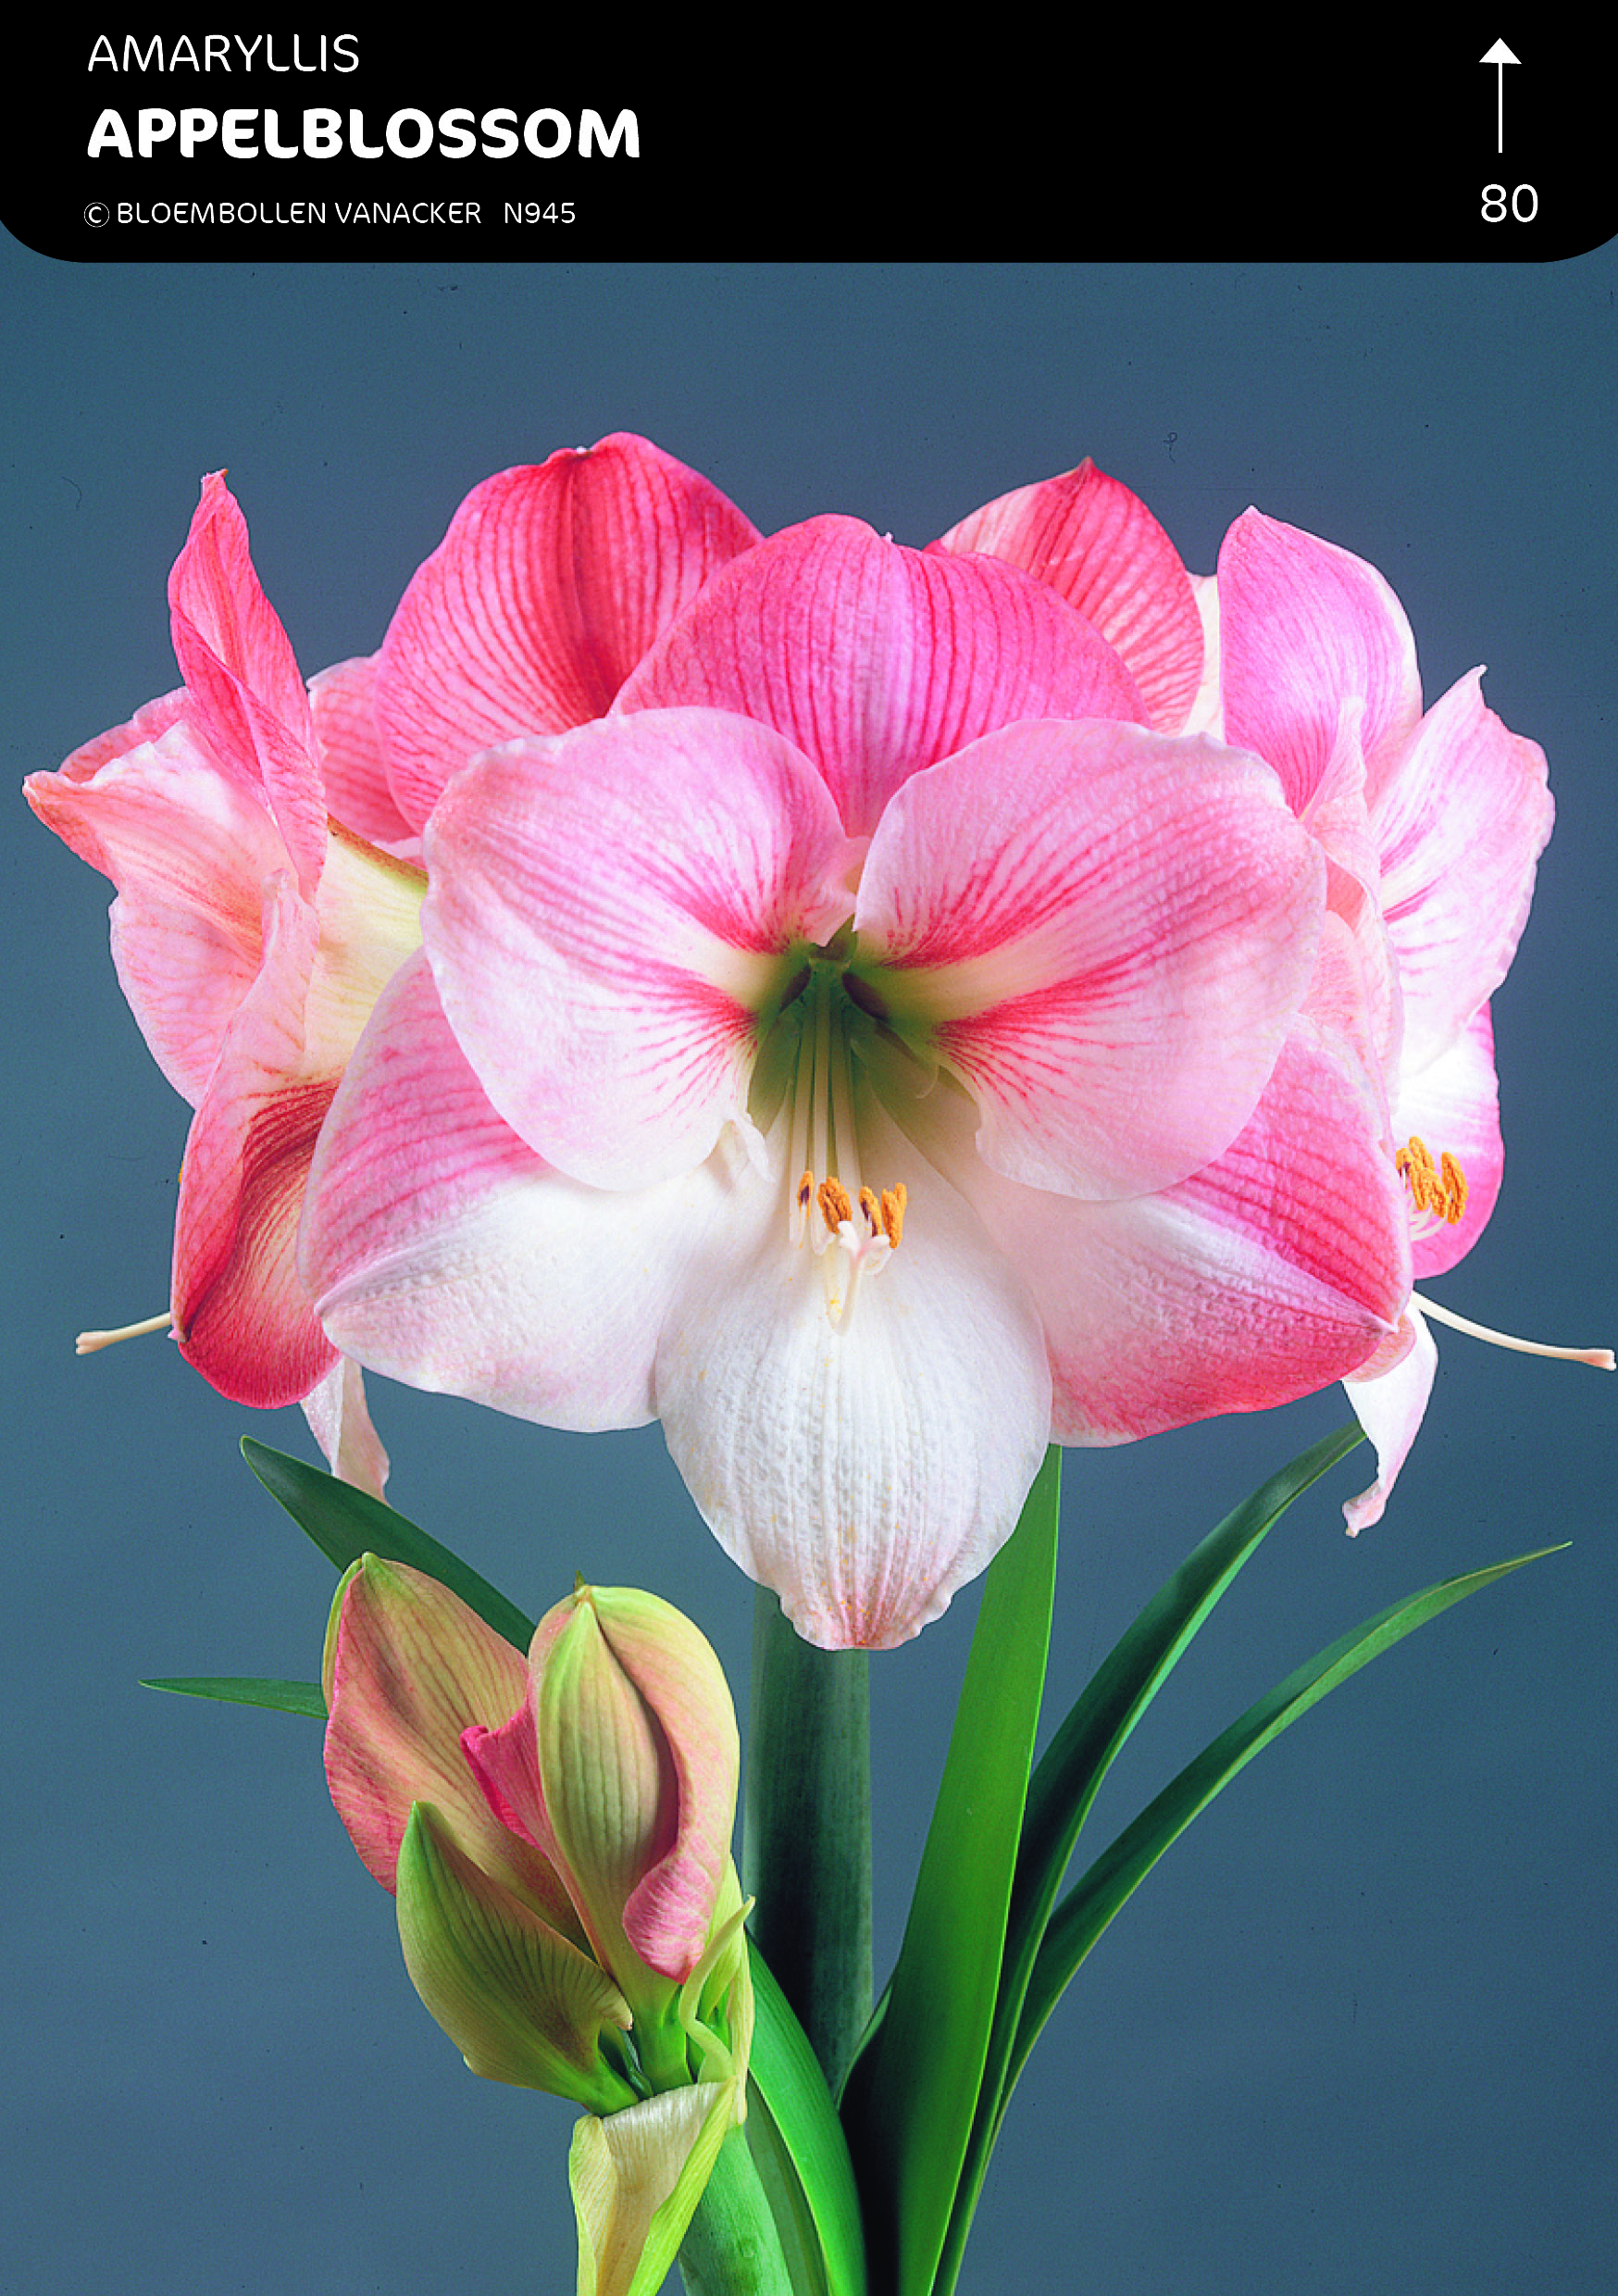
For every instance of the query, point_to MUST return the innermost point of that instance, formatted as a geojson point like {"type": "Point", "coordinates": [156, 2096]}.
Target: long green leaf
{"type": "Point", "coordinates": [1118, 1872]}
{"type": "Point", "coordinates": [910, 2101]}
{"type": "Point", "coordinates": [345, 1523]}
{"type": "Point", "coordinates": [1071, 1767]}
{"type": "Point", "coordinates": [247, 1690]}
{"type": "Point", "coordinates": [789, 2080]}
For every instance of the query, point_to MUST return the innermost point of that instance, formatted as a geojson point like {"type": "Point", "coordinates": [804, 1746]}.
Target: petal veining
{"type": "Point", "coordinates": [1107, 932]}
{"type": "Point", "coordinates": [608, 911]}
{"type": "Point", "coordinates": [875, 660]}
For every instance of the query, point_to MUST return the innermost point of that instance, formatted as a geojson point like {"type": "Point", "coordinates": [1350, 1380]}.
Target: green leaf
{"type": "Point", "coordinates": [788, 2077]}
{"type": "Point", "coordinates": [345, 1523]}
{"type": "Point", "coordinates": [910, 2101]}
{"type": "Point", "coordinates": [1073, 1765]}
{"type": "Point", "coordinates": [248, 1689]}
{"type": "Point", "coordinates": [1090, 1905]}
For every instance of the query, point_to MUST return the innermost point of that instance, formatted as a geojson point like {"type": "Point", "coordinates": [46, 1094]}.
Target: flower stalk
{"type": "Point", "coordinates": [733, 2247]}
{"type": "Point", "coordinates": [806, 1839]}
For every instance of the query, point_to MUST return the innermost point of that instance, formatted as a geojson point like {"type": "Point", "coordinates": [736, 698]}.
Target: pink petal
{"type": "Point", "coordinates": [352, 765]}
{"type": "Point", "coordinates": [1461, 826]}
{"type": "Point", "coordinates": [240, 1314]}
{"type": "Point", "coordinates": [608, 910]}
{"type": "Point", "coordinates": [1278, 1269]}
{"type": "Point", "coordinates": [875, 660]}
{"type": "Point", "coordinates": [189, 849]}
{"type": "Point", "coordinates": [242, 677]}
{"type": "Point", "coordinates": [1453, 1106]}
{"type": "Point", "coordinates": [441, 1251]}
{"type": "Point", "coordinates": [150, 721]}
{"type": "Point", "coordinates": [1305, 627]}
{"type": "Point", "coordinates": [1390, 1407]}
{"type": "Point", "coordinates": [1108, 932]}
{"type": "Point", "coordinates": [552, 582]}
{"type": "Point", "coordinates": [505, 1763]}
{"type": "Point", "coordinates": [1099, 546]}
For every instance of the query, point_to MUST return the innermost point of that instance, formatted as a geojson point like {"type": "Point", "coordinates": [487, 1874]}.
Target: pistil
{"type": "Point", "coordinates": [831, 1203]}
{"type": "Point", "coordinates": [1600, 1358]}
{"type": "Point", "coordinates": [89, 1342]}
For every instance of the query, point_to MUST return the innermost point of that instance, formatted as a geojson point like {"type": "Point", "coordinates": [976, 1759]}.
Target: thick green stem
{"type": "Point", "coordinates": [732, 2247]}
{"type": "Point", "coordinates": [806, 1842]}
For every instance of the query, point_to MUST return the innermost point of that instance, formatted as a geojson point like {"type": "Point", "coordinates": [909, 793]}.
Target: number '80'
{"type": "Point", "coordinates": [1522, 202]}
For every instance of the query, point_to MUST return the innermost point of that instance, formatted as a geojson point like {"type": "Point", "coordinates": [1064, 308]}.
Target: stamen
{"type": "Point", "coordinates": [89, 1342]}
{"type": "Point", "coordinates": [1599, 1358]}
{"type": "Point", "coordinates": [833, 1200]}
{"type": "Point", "coordinates": [893, 1202]}
{"type": "Point", "coordinates": [1438, 1188]}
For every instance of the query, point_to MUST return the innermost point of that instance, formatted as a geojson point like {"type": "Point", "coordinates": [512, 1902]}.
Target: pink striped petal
{"type": "Point", "coordinates": [552, 582]}
{"type": "Point", "coordinates": [240, 1314]}
{"type": "Point", "coordinates": [1099, 546]}
{"type": "Point", "coordinates": [149, 721]}
{"type": "Point", "coordinates": [868, 1470]}
{"type": "Point", "coordinates": [1305, 627]}
{"type": "Point", "coordinates": [1390, 1407]}
{"type": "Point", "coordinates": [1280, 1268]}
{"type": "Point", "coordinates": [607, 911]}
{"type": "Point", "coordinates": [1460, 826]}
{"type": "Point", "coordinates": [1107, 931]}
{"type": "Point", "coordinates": [242, 677]}
{"type": "Point", "coordinates": [442, 1252]}
{"type": "Point", "coordinates": [353, 765]}
{"type": "Point", "coordinates": [1453, 1106]}
{"type": "Point", "coordinates": [877, 660]}
{"type": "Point", "coordinates": [189, 849]}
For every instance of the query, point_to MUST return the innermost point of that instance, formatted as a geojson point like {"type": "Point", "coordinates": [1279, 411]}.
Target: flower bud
{"type": "Point", "coordinates": [639, 1762]}
{"type": "Point", "coordinates": [556, 1833]}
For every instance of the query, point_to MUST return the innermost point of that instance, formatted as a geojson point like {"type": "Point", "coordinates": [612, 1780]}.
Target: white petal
{"type": "Point", "coordinates": [865, 1472]}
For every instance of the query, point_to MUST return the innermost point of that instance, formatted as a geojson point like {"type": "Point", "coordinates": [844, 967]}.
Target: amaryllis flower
{"type": "Point", "coordinates": [263, 840]}
{"type": "Point", "coordinates": [870, 1050]}
{"type": "Point", "coordinates": [252, 934]}
{"type": "Point", "coordinates": [1432, 824]}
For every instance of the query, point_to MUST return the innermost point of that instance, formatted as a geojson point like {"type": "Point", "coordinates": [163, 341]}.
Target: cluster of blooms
{"type": "Point", "coordinates": [877, 1011]}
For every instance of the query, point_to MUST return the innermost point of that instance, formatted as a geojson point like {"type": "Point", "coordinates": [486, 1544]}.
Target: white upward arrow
{"type": "Point", "coordinates": [1500, 56]}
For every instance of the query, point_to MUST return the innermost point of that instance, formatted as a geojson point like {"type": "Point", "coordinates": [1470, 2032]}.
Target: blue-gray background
{"type": "Point", "coordinates": [1357, 2031]}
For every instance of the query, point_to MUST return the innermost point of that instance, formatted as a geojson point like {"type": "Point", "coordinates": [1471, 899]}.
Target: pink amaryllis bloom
{"type": "Point", "coordinates": [252, 934]}
{"type": "Point", "coordinates": [1432, 823]}
{"type": "Point", "coordinates": [263, 838]}
{"type": "Point", "coordinates": [872, 1050]}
